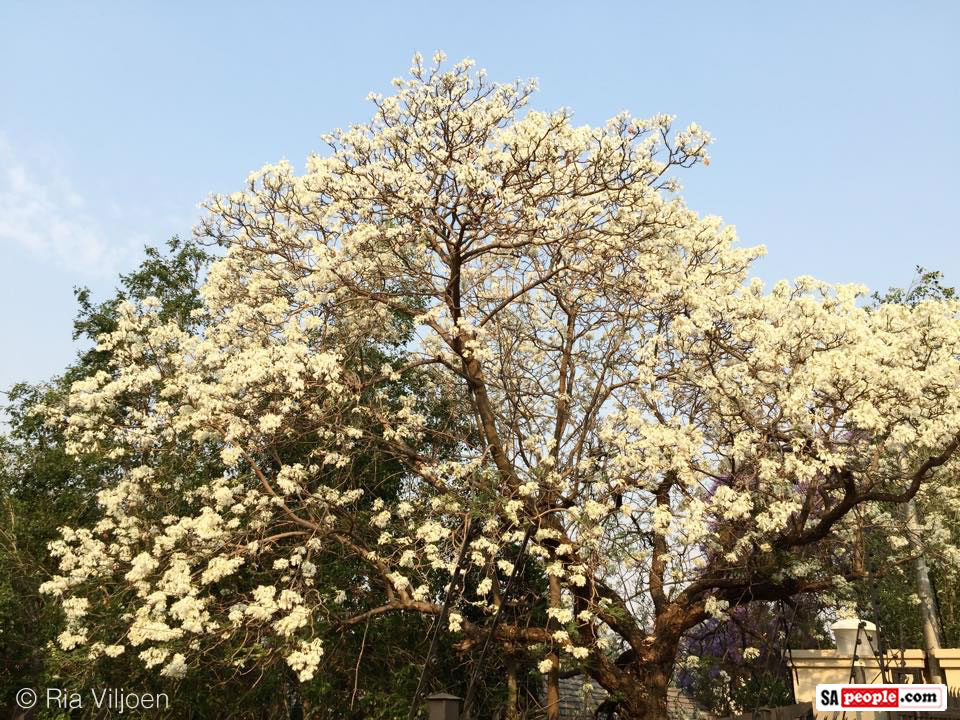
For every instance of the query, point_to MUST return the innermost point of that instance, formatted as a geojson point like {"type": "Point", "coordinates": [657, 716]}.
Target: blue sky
{"type": "Point", "coordinates": [836, 124]}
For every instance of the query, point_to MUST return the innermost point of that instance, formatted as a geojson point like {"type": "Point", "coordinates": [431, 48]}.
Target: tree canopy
{"type": "Point", "coordinates": [557, 368]}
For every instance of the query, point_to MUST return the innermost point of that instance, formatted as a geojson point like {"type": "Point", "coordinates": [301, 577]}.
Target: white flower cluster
{"type": "Point", "coordinates": [568, 348]}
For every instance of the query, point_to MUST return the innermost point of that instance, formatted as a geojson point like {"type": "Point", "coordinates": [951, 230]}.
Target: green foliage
{"type": "Point", "coordinates": [926, 285]}
{"type": "Point", "coordinates": [173, 278]}
{"type": "Point", "coordinates": [370, 670]}
{"type": "Point", "coordinates": [42, 488]}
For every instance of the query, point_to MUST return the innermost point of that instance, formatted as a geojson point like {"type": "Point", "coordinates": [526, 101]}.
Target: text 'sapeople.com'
{"type": "Point", "coordinates": [881, 697]}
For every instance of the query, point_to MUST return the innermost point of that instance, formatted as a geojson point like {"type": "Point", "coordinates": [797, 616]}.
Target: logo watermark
{"type": "Point", "coordinates": [116, 700]}
{"type": "Point", "coordinates": [930, 698]}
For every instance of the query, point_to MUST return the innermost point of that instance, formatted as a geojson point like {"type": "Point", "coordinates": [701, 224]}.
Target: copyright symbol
{"type": "Point", "coordinates": [26, 698]}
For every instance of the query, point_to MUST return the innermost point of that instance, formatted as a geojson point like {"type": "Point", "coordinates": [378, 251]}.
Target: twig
{"type": "Point", "coordinates": [356, 670]}
{"type": "Point", "coordinates": [496, 621]}
{"type": "Point", "coordinates": [443, 614]}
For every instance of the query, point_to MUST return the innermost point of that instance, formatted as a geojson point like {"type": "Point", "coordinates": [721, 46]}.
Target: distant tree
{"type": "Point", "coordinates": [926, 285]}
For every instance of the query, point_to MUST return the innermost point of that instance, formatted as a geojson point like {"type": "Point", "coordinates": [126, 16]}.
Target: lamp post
{"type": "Point", "coordinates": [845, 633]}
{"type": "Point", "coordinates": [443, 706]}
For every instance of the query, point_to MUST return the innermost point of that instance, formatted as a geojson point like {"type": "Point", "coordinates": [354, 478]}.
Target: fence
{"type": "Point", "coordinates": [801, 711]}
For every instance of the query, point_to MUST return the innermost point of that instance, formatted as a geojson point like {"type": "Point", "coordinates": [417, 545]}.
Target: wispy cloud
{"type": "Point", "coordinates": [41, 211]}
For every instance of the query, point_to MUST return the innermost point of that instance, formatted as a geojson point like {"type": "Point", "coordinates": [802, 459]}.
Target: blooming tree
{"type": "Point", "coordinates": [663, 439]}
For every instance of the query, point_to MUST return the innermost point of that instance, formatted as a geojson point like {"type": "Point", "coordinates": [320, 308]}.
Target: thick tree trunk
{"type": "Point", "coordinates": [638, 692]}
{"type": "Point", "coordinates": [647, 700]}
